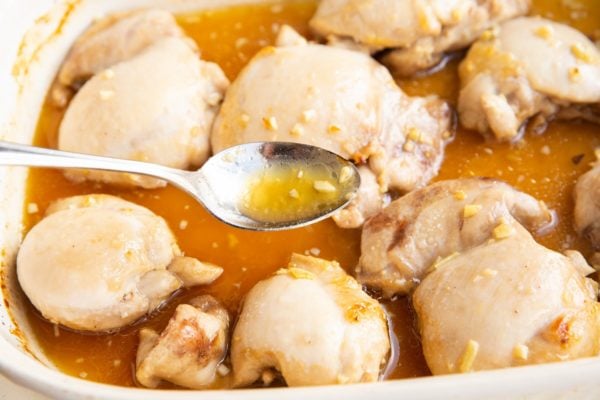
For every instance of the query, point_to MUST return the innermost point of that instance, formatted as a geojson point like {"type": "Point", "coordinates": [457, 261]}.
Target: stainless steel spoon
{"type": "Point", "coordinates": [221, 182]}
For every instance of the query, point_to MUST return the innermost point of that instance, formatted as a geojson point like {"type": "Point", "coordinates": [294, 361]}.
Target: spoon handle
{"type": "Point", "coordinates": [31, 156]}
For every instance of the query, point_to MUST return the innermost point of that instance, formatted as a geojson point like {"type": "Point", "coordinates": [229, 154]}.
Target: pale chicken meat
{"type": "Point", "coordinates": [507, 302]}
{"type": "Point", "coordinates": [417, 33]}
{"type": "Point", "coordinates": [371, 200]}
{"type": "Point", "coordinates": [529, 67]}
{"type": "Point", "coordinates": [313, 324]}
{"type": "Point", "coordinates": [110, 40]}
{"type": "Point", "coordinates": [189, 350]}
{"type": "Point", "coordinates": [587, 206]}
{"type": "Point", "coordinates": [98, 263]}
{"type": "Point", "coordinates": [342, 101]}
{"type": "Point", "coordinates": [402, 242]}
{"type": "Point", "coordinates": [157, 106]}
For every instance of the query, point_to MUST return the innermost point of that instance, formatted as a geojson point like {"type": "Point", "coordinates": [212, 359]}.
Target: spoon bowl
{"type": "Point", "coordinates": [225, 183]}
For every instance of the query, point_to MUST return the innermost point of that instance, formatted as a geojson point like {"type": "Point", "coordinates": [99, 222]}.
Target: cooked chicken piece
{"type": "Point", "coordinates": [97, 263]}
{"type": "Point", "coordinates": [417, 32]}
{"type": "Point", "coordinates": [587, 206]}
{"type": "Point", "coordinates": [109, 41]}
{"type": "Point", "coordinates": [506, 77]}
{"type": "Point", "coordinates": [158, 106]}
{"type": "Point", "coordinates": [340, 100]}
{"type": "Point", "coordinates": [405, 239]}
{"type": "Point", "coordinates": [368, 201]}
{"type": "Point", "coordinates": [504, 303]}
{"type": "Point", "coordinates": [313, 324]}
{"type": "Point", "coordinates": [189, 350]}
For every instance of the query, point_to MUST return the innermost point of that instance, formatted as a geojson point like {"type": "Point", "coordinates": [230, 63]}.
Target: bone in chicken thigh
{"type": "Point", "coordinates": [97, 263]}
{"type": "Point", "coordinates": [343, 101]}
{"type": "Point", "coordinates": [528, 67]}
{"type": "Point", "coordinates": [418, 33]}
{"type": "Point", "coordinates": [189, 350]}
{"type": "Point", "coordinates": [507, 302]}
{"type": "Point", "coordinates": [313, 324]}
{"type": "Point", "coordinates": [157, 106]}
{"type": "Point", "coordinates": [401, 242]}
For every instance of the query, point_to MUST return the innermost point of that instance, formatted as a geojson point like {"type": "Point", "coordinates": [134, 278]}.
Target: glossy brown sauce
{"type": "Point", "coordinates": [545, 166]}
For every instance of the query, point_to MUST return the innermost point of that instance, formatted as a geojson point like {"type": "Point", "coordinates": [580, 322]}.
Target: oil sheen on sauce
{"type": "Point", "coordinates": [296, 191]}
{"type": "Point", "coordinates": [545, 166]}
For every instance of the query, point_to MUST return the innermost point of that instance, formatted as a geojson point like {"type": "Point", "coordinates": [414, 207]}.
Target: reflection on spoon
{"type": "Point", "coordinates": [261, 186]}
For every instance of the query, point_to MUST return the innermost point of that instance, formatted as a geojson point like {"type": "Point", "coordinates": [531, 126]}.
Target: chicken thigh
{"type": "Point", "coordinates": [189, 350]}
{"type": "Point", "coordinates": [97, 263]}
{"type": "Point", "coordinates": [110, 40]}
{"type": "Point", "coordinates": [507, 77]}
{"type": "Point", "coordinates": [505, 303]}
{"type": "Point", "coordinates": [340, 100]}
{"type": "Point", "coordinates": [587, 206]}
{"type": "Point", "coordinates": [313, 323]}
{"type": "Point", "coordinates": [158, 106]}
{"type": "Point", "coordinates": [417, 32]}
{"type": "Point", "coordinates": [402, 242]}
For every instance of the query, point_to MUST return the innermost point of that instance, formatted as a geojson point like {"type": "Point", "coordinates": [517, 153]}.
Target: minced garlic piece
{"type": "Point", "coordinates": [324, 186]}
{"type": "Point", "coordinates": [408, 146]}
{"type": "Point", "coordinates": [503, 230]}
{"type": "Point", "coordinates": [270, 123]}
{"type": "Point", "coordinates": [488, 35]}
{"type": "Point", "coordinates": [106, 94]}
{"type": "Point", "coordinates": [581, 53]}
{"type": "Point", "coordinates": [460, 195]}
{"type": "Point", "coordinates": [332, 129]}
{"type": "Point", "coordinates": [544, 31]}
{"type": "Point", "coordinates": [268, 50]}
{"type": "Point", "coordinates": [223, 370]}
{"type": "Point", "coordinates": [308, 115]}
{"type": "Point", "coordinates": [296, 273]}
{"type": "Point", "coordinates": [244, 119]}
{"type": "Point", "coordinates": [294, 194]}
{"type": "Point", "coordinates": [490, 272]}
{"type": "Point", "coordinates": [32, 208]}
{"type": "Point", "coordinates": [574, 74]}
{"type": "Point", "coordinates": [521, 352]}
{"type": "Point", "coordinates": [183, 224]}
{"type": "Point", "coordinates": [345, 174]}
{"type": "Point", "coordinates": [468, 356]}
{"type": "Point", "coordinates": [297, 130]}
{"type": "Point", "coordinates": [107, 74]}
{"type": "Point", "coordinates": [414, 134]}
{"type": "Point", "coordinates": [456, 15]}
{"type": "Point", "coordinates": [471, 210]}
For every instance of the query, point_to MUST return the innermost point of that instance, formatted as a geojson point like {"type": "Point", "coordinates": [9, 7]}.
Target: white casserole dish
{"type": "Point", "coordinates": [35, 36]}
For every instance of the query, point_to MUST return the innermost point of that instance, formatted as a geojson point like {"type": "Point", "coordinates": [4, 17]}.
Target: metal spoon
{"type": "Point", "coordinates": [221, 182]}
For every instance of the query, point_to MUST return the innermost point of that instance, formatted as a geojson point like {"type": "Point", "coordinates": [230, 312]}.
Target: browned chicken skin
{"type": "Point", "coordinates": [190, 348]}
{"type": "Point", "coordinates": [401, 242]}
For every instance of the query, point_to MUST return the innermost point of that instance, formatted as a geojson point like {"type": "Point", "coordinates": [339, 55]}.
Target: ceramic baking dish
{"type": "Point", "coordinates": [35, 36]}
